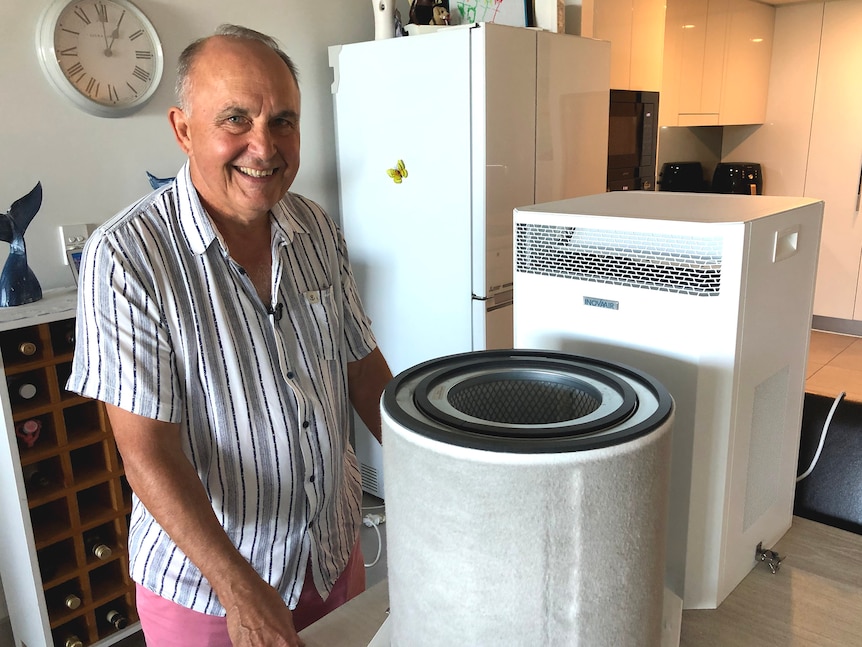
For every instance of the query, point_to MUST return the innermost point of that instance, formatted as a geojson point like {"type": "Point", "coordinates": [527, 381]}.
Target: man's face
{"type": "Point", "coordinates": [240, 129]}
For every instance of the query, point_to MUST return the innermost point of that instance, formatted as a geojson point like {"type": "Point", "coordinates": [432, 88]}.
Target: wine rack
{"type": "Point", "coordinates": [64, 500]}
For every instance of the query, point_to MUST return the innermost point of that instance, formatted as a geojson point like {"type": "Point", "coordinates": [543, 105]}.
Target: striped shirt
{"type": "Point", "coordinates": [170, 327]}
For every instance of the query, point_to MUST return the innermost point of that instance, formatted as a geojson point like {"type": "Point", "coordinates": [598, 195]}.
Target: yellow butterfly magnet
{"type": "Point", "coordinates": [398, 173]}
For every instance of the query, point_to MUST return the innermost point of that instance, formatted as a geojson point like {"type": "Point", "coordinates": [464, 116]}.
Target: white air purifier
{"type": "Point", "coordinates": [712, 295]}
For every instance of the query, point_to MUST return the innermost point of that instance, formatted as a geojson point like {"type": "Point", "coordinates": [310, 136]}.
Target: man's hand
{"type": "Point", "coordinates": [259, 618]}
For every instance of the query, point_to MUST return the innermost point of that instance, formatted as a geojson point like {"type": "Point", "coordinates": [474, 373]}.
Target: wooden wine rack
{"type": "Point", "coordinates": [70, 488]}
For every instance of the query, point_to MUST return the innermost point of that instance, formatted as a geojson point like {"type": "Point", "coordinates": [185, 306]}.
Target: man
{"type": "Point", "coordinates": [219, 321]}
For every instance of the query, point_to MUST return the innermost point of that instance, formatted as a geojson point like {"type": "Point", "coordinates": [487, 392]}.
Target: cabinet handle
{"type": "Point", "coordinates": [859, 191]}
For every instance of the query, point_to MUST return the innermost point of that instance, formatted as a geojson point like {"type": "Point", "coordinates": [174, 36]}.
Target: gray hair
{"type": "Point", "coordinates": [190, 53]}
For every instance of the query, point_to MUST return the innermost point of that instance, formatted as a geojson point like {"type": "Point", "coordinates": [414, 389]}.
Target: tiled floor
{"type": "Point", "coordinates": [834, 365]}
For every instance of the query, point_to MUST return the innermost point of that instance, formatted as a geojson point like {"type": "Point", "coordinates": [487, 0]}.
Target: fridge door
{"type": "Point", "coordinates": [503, 145]}
{"type": "Point", "coordinates": [410, 241]}
{"type": "Point", "coordinates": [493, 322]}
{"type": "Point", "coordinates": [572, 99]}
{"type": "Point", "coordinates": [406, 99]}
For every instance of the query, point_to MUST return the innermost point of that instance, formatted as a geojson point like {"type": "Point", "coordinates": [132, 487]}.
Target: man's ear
{"type": "Point", "coordinates": [180, 125]}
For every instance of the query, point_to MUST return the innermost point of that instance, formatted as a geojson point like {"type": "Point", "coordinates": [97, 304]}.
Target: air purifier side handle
{"type": "Point", "coordinates": [786, 243]}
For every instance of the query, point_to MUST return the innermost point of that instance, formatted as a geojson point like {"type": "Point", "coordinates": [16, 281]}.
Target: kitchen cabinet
{"type": "Point", "coordinates": [835, 158]}
{"type": "Point", "coordinates": [716, 62]}
{"type": "Point", "coordinates": [64, 500]}
{"type": "Point", "coordinates": [635, 29]}
{"type": "Point", "coordinates": [811, 142]}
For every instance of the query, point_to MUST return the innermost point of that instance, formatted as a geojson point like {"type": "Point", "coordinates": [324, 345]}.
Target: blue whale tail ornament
{"type": "Point", "coordinates": [156, 182]}
{"type": "Point", "coordinates": [18, 284]}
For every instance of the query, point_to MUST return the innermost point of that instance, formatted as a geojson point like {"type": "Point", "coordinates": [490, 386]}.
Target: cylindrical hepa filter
{"type": "Point", "coordinates": [526, 501]}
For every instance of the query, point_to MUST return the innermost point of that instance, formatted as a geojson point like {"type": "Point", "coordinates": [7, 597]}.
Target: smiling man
{"type": "Point", "coordinates": [219, 321]}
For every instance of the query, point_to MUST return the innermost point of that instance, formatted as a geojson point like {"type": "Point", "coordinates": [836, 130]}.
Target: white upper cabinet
{"type": "Point", "coordinates": [635, 29]}
{"type": "Point", "coordinates": [747, 60]}
{"type": "Point", "coordinates": [716, 62]}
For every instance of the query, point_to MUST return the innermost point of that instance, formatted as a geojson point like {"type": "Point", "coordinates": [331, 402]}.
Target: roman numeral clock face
{"type": "Point", "coordinates": [103, 55]}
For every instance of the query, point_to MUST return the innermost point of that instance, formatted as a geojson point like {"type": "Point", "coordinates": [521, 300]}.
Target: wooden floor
{"type": "Point", "coordinates": [834, 365]}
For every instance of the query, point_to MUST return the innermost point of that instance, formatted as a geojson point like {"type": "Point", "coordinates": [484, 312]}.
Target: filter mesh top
{"type": "Point", "coordinates": [522, 401]}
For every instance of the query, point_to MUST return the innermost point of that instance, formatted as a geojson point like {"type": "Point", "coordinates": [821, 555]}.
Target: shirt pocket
{"type": "Point", "coordinates": [323, 312]}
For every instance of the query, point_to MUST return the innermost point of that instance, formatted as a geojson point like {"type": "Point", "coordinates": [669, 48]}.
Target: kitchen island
{"type": "Point", "coordinates": [814, 600]}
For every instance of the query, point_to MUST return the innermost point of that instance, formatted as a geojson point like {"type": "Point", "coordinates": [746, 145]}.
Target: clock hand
{"type": "Point", "coordinates": [116, 33]}
{"type": "Point", "coordinates": [104, 33]}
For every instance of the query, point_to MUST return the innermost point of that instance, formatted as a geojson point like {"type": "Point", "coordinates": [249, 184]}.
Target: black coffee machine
{"type": "Point", "coordinates": [738, 177]}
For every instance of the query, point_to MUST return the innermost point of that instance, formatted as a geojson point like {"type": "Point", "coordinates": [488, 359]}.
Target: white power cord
{"type": "Point", "coordinates": [826, 424]}
{"type": "Point", "coordinates": [372, 521]}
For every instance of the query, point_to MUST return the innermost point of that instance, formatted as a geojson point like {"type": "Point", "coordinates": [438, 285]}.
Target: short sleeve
{"type": "Point", "coordinates": [123, 349]}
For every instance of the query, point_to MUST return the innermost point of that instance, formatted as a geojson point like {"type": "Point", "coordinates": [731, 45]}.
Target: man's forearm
{"type": "Point", "coordinates": [167, 484]}
{"type": "Point", "coordinates": [366, 380]}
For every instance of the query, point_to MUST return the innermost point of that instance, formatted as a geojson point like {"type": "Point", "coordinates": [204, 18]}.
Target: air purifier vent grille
{"type": "Point", "coordinates": [370, 481]}
{"type": "Point", "coordinates": [675, 263]}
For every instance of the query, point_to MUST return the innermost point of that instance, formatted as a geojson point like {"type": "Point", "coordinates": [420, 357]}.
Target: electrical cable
{"type": "Point", "coordinates": [826, 424]}
{"type": "Point", "coordinates": [372, 521]}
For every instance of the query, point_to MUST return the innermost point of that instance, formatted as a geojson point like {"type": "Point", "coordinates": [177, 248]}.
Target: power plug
{"type": "Point", "coordinates": [373, 519]}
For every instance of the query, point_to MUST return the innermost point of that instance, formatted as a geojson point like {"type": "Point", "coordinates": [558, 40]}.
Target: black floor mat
{"type": "Point", "coordinates": [832, 493]}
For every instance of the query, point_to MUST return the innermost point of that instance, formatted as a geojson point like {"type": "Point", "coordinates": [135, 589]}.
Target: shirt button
{"type": "Point", "coordinates": [305, 424]}
{"type": "Point", "coordinates": [290, 375]}
{"type": "Point", "coordinates": [311, 479]}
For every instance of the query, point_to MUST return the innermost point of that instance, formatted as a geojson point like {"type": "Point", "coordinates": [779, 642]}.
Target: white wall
{"type": "Point", "coordinates": [92, 167]}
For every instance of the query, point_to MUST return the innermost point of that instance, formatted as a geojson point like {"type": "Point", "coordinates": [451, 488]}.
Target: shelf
{"type": "Point", "coordinates": [76, 493]}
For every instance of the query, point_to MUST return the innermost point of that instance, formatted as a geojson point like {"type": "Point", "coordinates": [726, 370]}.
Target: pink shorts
{"type": "Point", "coordinates": [168, 624]}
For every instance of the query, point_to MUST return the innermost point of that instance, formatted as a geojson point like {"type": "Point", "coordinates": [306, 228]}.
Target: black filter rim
{"type": "Point", "coordinates": [426, 410]}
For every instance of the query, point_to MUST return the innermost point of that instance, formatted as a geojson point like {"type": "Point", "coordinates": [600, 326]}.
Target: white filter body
{"type": "Point", "coordinates": [520, 548]}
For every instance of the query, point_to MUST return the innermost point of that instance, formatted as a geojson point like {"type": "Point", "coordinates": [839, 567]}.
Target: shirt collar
{"type": "Point", "coordinates": [198, 227]}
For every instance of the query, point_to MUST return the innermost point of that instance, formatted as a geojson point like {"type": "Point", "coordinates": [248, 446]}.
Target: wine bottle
{"type": "Point", "coordinates": [27, 391]}
{"type": "Point", "coordinates": [96, 547]}
{"type": "Point", "coordinates": [117, 619]}
{"type": "Point", "coordinates": [72, 601]}
{"type": "Point", "coordinates": [27, 348]}
{"type": "Point", "coordinates": [35, 477]}
{"type": "Point", "coordinates": [73, 641]}
{"type": "Point", "coordinates": [28, 431]}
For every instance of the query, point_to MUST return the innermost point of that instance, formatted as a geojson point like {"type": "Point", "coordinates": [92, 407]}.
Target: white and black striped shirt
{"type": "Point", "coordinates": [170, 327]}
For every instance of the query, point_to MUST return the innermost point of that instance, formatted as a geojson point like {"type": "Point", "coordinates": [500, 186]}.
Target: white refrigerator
{"type": "Point", "coordinates": [438, 138]}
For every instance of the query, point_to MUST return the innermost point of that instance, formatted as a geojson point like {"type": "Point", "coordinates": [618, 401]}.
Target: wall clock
{"type": "Point", "coordinates": [104, 56]}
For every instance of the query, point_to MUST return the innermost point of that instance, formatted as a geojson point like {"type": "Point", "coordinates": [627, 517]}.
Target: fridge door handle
{"type": "Point", "coordinates": [859, 191]}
